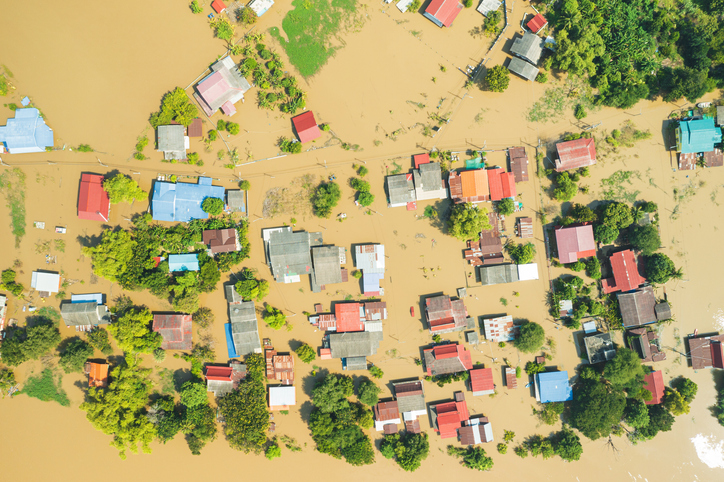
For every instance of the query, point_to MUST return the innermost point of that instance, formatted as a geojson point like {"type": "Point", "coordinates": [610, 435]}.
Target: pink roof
{"type": "Point", "coordinates": [654, 383]}
{"type": "Point", "coordinates": [228, 108]}
{"type": "Point", "coordinates": [508, 181]}
{"type": "Point", "coordinates": [421, 159]}
{"type": "Point", "coordinates": [445, 351]}
{"type": "Point", "coordinates": [93, 202]}
{"type": "Point", "coordinates": [575, 242]}
{"type": "Point", "coordinates": [575, 154]}
{"type": "Point", "coordinates": [306, 126]}
{"type": "Point", "coordinates": [481, 379]}
{"type": "Point", "coordinates": [218, 6]}
{"type": "Point", "coordinates": [444, 10]}
{"type": "Point", "coordinates": [213, 87]}
{"type": "Point", "coordinates": [496, 183]}
{"type": "Point", "coordinates": [222, 374]}
{"type": "Point", "coordinates": [537, 23]}
{"type": "Point", "coordinates": [348, 318]}
{"type": "Point", "coordinates": [626, 275]}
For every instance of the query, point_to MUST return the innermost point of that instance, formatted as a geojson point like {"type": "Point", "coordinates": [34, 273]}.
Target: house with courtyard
{"type": "Point", "coordinates": [93, 201]}
{"type": "Point", "coordinates": [500, 329]}
{"type": "Point", "coordinates": [26, 133]}
{"type": "Point", "coordinates": [370, 259]}
{"type": "Point", "coordinates": [626, 273]}
{"type": "Point", "coordinates": [175, 329]}
{"type": "Point", "coordinates": [575, 242]}
{"type": "Point", "coordinates": [553, 387]}
{"type": "Point", "coordinates": [410, 397]}
{"type": "Point", "coordinates": [639, 307]}
{"type": "Point", "coordinates": [443, 12]}
{"type": "Point", "coordinates": [706, 351]}
{"type": "Point", "coordinates": [654, 383]}
{"type": "Point", "coordinates": [447, 359]}
{"type": "Point", "coordinates": [242, 331]}
{"type": "Point", "coordinates": [449, 417]}
{"type": "Point", "coordinates": [445, 315]}
{"type": "Point", "coordinates": [575, 154]}
{"type": "Point", "coordinates": [223, 380]}
{"type": "Point", "coordinates": [222, 88]}
{"type": "Point", "coordinates": [181, 201]}
{"type": "Point", "coordinates": [288, 253]}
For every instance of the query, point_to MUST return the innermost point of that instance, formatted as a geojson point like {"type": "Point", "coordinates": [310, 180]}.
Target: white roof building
{"type": "Point", "coordinates": [45, 281]}
{"type": "Point", "coordinates": [370, 258]}
{"type": "Point", "coordinates": [499, 329]}
{"type": "Point", "coordinates": [527, 272]}
{"type": "Point", "coordinates": [282, 397]}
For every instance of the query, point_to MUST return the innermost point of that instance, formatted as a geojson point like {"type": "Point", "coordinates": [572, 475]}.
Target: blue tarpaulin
{"type": "Point", "coordinates": [25, 101]}
{"type": "Point", "coordinates": [230, 341]}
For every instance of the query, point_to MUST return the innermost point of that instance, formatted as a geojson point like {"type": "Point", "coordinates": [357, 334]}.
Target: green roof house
{"type": "Point", "coordinates": [698, 135]}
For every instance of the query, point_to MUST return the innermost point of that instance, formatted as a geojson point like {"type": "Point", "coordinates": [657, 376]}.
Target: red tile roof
{"type": "Point", "coordinates": [222, 374]}
{"type": "Point", "coordinates": [654, 383]}
{"type": "Point", "coordinates": [444, 10]}
{"type": "Point", "coordinates": [626, 275]}
{"type": "Point", "coordinates": [306, 126]}
{"type": "Point", "coordinates": [348, 317]}
{"type": "Point", "coordinates": [93, 202]}
{"type": "Point", "coordinates": [495, 182]}
{"type": "Point", "coordinates": [481, 379]}
{"type": "Point", "coordinates": [450, 416]}
{"type": "Point", "coordinates": [537, 23]}
{"type": "Point", "coordinates": [508, 181]}
{"type": "Point", "coordinates": [421, 159]}
{"type": "Point", "coordinates": [221, 240]}
{"type": "Point", "coordinates": [196, 128]}
{"type": "Point", "coordinates": [575, 242]}
{"type": "Point", "coordinates": [575, 154]}
{"type": "Point", "coordinates": [98, 375]}
{"type": "Point", "coordinates": [218, 6]}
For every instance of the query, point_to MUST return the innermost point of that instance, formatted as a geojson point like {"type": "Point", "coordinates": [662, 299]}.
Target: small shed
{"type": "Point", "coordinates": [525, 227]}
{"type": "Point", "coordinates": [260, 7]}
{"type": "Point", "coordinates": [282, 397]}
{"type": "Point", "coordinates": [420, 159]}
{"type": "Point", "coordinates": [472, 338]}
{"type": "Point", "coordinates": [306, 127]}
{"type": "Point", "coordinates": [218, 6]}
{"type": "Point", "coordinates": [537, 23]}
{"type": "Point", "coordinates": [523, 69]}
{"type": "Point", "coordinates": [511, 381]}
{"type": "Point", "coordinates": [236, 201]}
{"type": "Point", "coordinates": [575, 154]}
{"type": "Point", "coordinates": [487, 6]}
{"type": "Point", "coordinates": [196, 129]}
{"type": "Point", "coordinates": [45, 282]}
{"type": "Point", "coordinates": [518, 163]}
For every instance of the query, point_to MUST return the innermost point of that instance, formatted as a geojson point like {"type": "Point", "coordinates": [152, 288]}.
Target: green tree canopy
{"type": "Point", "coordinates": [530, 337]}
{"type": "Point", "coordinates": [98, 338]}
{"type": "Point", "coordinates": [467, 221]}
{"type": "Point", "coordinates": [686, 388]}
{"type": "Point", "coordinates": [133, 333]}
{"type": "Point", "coordinates": [497, 78]}
{"type": "Point", "coordinates": [368, 392]}
{"type": "Point", "coordinates": [660, 268]}
{"type": "Point", "coordinates": [565, 189]}
{"type": "Point", "coordinates": [325, 199]}
{"type": "Point", "coordinates": [645, 238]}
{"type": "Point", "coordinates": [473, 457]}
{"type": "Point", "coordinates": [213, 205]}
{"type": "Point", "coordinates": [582, 214]}
{"type": "Point", "coordinates": [250, 288]}
{"type": "Point", "coordinates": [112, 255]}
{"type": "Point", "coordinates": [274, 318]}
{"type": "Point", "coordinates": [273, 450]}
{"type": "Point", "coordinates": [660, 420]}
{"type": "Point", "coordinates": [193, 394]}
{"type": "Point", "coordinates": [121, 188]}
{"type": "Point", "coordinates": [567, 445]}
{"type": "Point", "coordinates": [674, 402]}
{"type": "Point", "coordinates": [604, 233]}
{"type": "Point", "coordinates": [175, 105]}
{"type": "Point", "coordinates": [617, 215]}
{"type": "Point", "coordinates": [330, 394]}
{"type": "Point", "coordinates": [409, 450]}
{"type": "Point", "coordinates": [636, 413]}
{"type": "Point", "coordinates": [521, 253]}
{"type": "Point", "coordinates": [74, 355]}
{"type": "Point", "coordinates": [596, 410]}
{"type": "Point", "coordinates": [625, 371]}
{"type": "Point", "coordinates": [306, 353]}
{"type": "Point", "coordinates": [506, 207]}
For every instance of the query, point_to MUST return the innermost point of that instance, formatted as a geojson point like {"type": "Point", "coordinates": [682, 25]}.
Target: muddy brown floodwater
{"type": "Point", "coordinates": [98, 70]}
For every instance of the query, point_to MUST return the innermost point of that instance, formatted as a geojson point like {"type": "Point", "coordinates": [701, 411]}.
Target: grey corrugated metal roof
{"type": "Point", "coordinates": [431, 176]}
{"type": "Point", "coordinates": [327, 269]}
{"type": "Point", "coordinates": [289, 253]}
{"type": "Point", "coordinates": [523, 68]}
{"type": "Point", "coordinates": [637, 307]}
{"type": "Point", "coordinates": [82, 314]}
{"type": "Point", "coordinates": [528, 47]}
{"type": "Point", "coordinates": [219, 387]}
{"type": "Point", "coordinates": [443, 366]}
{"type": "Point", "coordinates": [171, 138]}
{"type": "Point", "coordinates": [356, 363]}
{"type": "Point", "coordinates": [244, 328]}
{"type": "Point", "coordinates": [400, 189]}
{"type": "Point", "coordinates": [232, 296]}
{"type": "Point", "coordinates": [361, 343]}
{"type": "Point", "coordinates": [236, 199]}
{"type": "Point", "coordinates": [498, 273]}
{"type": "Point", "coordinates": [600, 347]}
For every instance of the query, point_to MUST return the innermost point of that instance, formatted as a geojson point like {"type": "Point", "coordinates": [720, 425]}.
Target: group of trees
{"type": "Point", "coordinates": [127, 257]}
{"type": "Point", "coordinates": [364, 196]}
{"type": "Point", "coordinates": [213, 206]}
{"type": "Point", "coordinates": [497, 78]}
{"type": "Point", "coordinates": [175, 106]}
{"type": "Point", "coordinates": [521, 253]}
{"type": "Point", "coordinates": [466, 221]}
{"type": "Point", "coordinates": [531, 337]}
{"type": "Point", "coordinates": [408, 450]}
{"type": "Point", "coordinates": [566, 444]}
{"type": "Point", "coordinates": [572, 288]}
{"type": "Point", "coordinates": [31, 342]}
{"type": "Point", "coordinates": [474, 457]}
{"type": "Point", "coordinates": [250, 288]}
{"type": "Point", "coordinates": [123, 189]}
{"type": "Point", "coordinates": [337, 423]}
{"type": "Point", "coordinates": [325, 199]}
{"type": "Point", "coordinates": [8, 283]}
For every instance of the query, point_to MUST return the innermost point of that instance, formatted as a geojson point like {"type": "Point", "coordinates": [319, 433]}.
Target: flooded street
{"type": "Point", "coordinates": [97, 71]}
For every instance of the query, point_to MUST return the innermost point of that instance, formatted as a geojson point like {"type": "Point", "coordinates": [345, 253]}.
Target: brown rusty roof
{"type": "Point", "coordinates": [196, 128]}
{"type": "Point", "coordinates": [687, 162]}
{"type": "Point", "coordinates": [510, 380]}
{"type": "Point", "coordinates": [518, 163]}
{"type": "Point", "coordinates": [525, 227]}
{"type": "Point", "coordinates": [706, 351]}
{"type": "Point", "coordinates": [221, 240]}
{"type": "Point", "coordinates": [714, 158]}
{"type": "Point", "coordinates": [385, 411]}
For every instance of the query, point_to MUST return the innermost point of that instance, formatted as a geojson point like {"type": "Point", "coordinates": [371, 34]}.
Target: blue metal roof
{"type": "Point", "coordinates": [85, 298]}
{"type": "Point", "coordinates": [230, 347]}
{"type": "Point", "coordinates": [698, 135]}
{"type": "Point", "coordinates": [183, 262]}
{"type": "Point", "coordinates": [182, 201]}
{"type": "Point", "coordinates": [554, 387]}
{"type": "Point", "coordinates": [27, 132]}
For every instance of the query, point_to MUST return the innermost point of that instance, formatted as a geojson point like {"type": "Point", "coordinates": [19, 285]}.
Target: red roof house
{"type": "Point", "coordinates": [507, 180]}
{"type": "Point", "coordinates": [444, 314]}
{"type": "Point", "coordinates": [421, 159]}
{"type": "Point", "coordinates": [537, 23]}
{"type": "Point", "coordinates": [175, 330]}
{"type": "Point", "coordinates": [306, 127]}
{"type": "Point", "coordinates": [495, 182]}
{"type": "Point", "coordinates": [575, 154]}
{"type": "Point", "coordinates": [220, 374]}
{"type": "Point", "coordinates": [218, 6]}
{"type": "Point", "coordinates": [626, 275]}
{"type": "Point", "coordinates": [448, 417]}
{"type": "Point", "coordinates": [575, 242]}
{"type": "Point", "coordinates": [97, 374]}
{"type": "Point", "coordinates": [443, 12]}
{"type": "Point", "coordinates": [469, 186]}
{"type": "Point", "coordinates": [348, 317]}
{"type": "Point", "coordinates": [444, 359]}
{"type": "Point", "coordinates": [707, 352]}
{"type": "Point", "coordinates": [93, 202]}
{"type": "Point", "coordinates": [481, 381]}
{"type": "Point", "coordinates": [654, 383]}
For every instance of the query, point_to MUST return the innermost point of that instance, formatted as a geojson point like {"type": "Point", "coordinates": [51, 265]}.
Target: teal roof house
{"type": "Point", "coordinates": [26, 133]}
{"type": "Point", "coordinates": [183, 262]}
{"type": "Point", "coordinates": [699, 135]}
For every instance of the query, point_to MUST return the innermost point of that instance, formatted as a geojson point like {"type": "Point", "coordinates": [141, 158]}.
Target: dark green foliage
{"type": "Point", "coordinates": [567, 445]}
{"type": "Point", "coordinates": [521, 253]}
{"type": "Point", "coordinates": [719, 407]}
{"type": "Point", "coordinates": [593, 268]}
{"type": "Point", "coordinates": [274, 317]}
{"type": "Point", "coordinates": [617, 215]}
{"type": "Point", "coordinates": [577, 266]}
{"type": "Point", "coordinates": [579, 112]}
{"type": "Point", "coordinates": [474, 457]}
{"type": "Point", "coordinates": [325, 199]}
{"type": "Point", "coordinates": [538, 445]}
{"type": "Point", "coordinates": [660, 420]}
{"type": "Point", "coordinates": [442, 380]}
{"type": "Point", "coordinates": [506, 207]}
{"type": "Point", "coordinates": [30, 343]}
{"type": "Point", "coordinates": [625, 371]}
{"type": "Point", "coordinates": [530, 338]}
{"type": "Point", "coordinates": [46, 388]}
{"type": "Point", "coordinates": [368, 392]}
{"type": "Point", "coordinates": [290, 145]}
{"type": "Point", "coordinates": [7, 380]}
{"type": "Point", "coordinates": [74, 355]}
{"type": "Point", "coordinates": [604, 233]}
{"type": "Point", "coordinates": [9, 283]}
{"type": "Point", "coordinates": [596, 409]}
{"type": "Point", "coordinates": [531, 368]}
{"type": "Point", "coordinates": [132, 331]}
{"type": "Point", "coordinates": [645, 238]}
{"type": "Point", "coordinates": [686, 388]}
{"type": "Point", "coordinates": [84, 148]}
{"type": "Point", "coordinates": [675, 402]}
{"type": "Point", "coordinates": [203, 317]}
{"type": "Point", "coordinates": [330, 395]}
{"type": "Point", "coordinates": [199, 426]}
{"type": "Point", "coordinates": [193, 394]}
{"type": "Point", "coordinates": [213, 205]}
{"type": "Point", "coordinates": [636, 413]}
{"type": "Point", "coordinates": [565, 188]}
{"type": "Point", "coordinates": [365, 199]}
{"type": "Point", "coordinates": [648, 207]}
{"type": "Point", "coordinates": [246, 16]}
{"type": "Point", "coordinates": [175, 106]}
{"type": "Point", "coordinates": [408, 450]}
{"type": "Point", "coordinates": [306, 353]}
{"type": "Point", "coordinates": [466, 221]}
{"type": "Point", "coordinates": [582, 214]}
{"type": "Point", "coordinates": [660, 268]}
{"type": "Point", "coordinates": [549, 413]}
{"type": "Point", "coordinates": [195, 7]}
{"type": "Point", "coordinates": [497, 78]}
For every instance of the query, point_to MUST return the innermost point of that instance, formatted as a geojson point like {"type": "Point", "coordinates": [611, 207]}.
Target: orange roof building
{"type": "Point", "coordinates": [97, 374]}
{"type": "Point", "coordinates": [469, 186]}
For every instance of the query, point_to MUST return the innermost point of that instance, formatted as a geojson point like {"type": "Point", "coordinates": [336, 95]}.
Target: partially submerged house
{"type": "Point", "coordinates": [97, 374]}
{"type": "Point", "coordinates": [175, 329]}
{"type": "Point", "coordinates": [350, 317]}
{"type": "Point", "coordinates": [410, 403]}
{"type": "Point", "coordinates": [481, 382]}
{"type": "Point", "coordinates": [443, 12]}
{"type": "Point", "coordinates": [654, 383]}
{"type": "Point", "coordinates": [498, 274]}
{"type": "Point", "coordinates": [181, 201]}
{"type": "Point", "coordinates": [469, 186]}
{"type": "Point", "coordinates": [599, 348]}
{"type": "Point", "coordinates": [524, 227]}
{"type": "Point", "coordinates": [475, 431]}
{"type": "Point", "coordinates": [282, 397]}
{"type": "Point", "coordinates": [242, 331]}
{"type": "Point", "coordinates": [500, 329]}
{"type": "Point", "coordinates": [537, 23]}
{"type": "Point", "coordinates": [183, 262]}
{"type": "Point", "coordinates": [222, 88]}
{"type": "Point", "coordinates": [306, 127]}
{"type": "Point", "coordinates": [489, 248]}
{"type": "Point", "coordinates": [196, 128]}
{"type": "Point", "coordinates": [370, 259]}
{"type": "Point", "coordinates": [639, 307]}
{"type": "Point", "coordinates": [279, 366]}
{"type": "Point", "coordinates": [93, 201]}
{"type": "Point", "coordinates": [706, 351]}
{"type": "Point", "coordinates": [85, 311]}
{"type": "Point", "coordinates": [626, 275]}
{"type": "Point", "coordinates": [222, 240]}
{"type": "Point", "coordinates": [448, 417]}
{"type": "Point", "coordinates": [511, 381]}
{"type": "Point", "coordinates": [575, 242]}
{"type": "Point", "coordinates": [401, 191]}
{"type": "Point", "coordinates": [487, 6]}
{"type": "Point", "coordinates": [523, 69]}
{"type": "Point", "coordinates": [501, 184]}
{"type": "Point", "coordinates": [528, 47]}
{"type": "Point", "coordinates": [223, 380]}
{"type": "Point", "coordinates": [26, 132]}
{"type": "Point", "coordinates": [172, 141]}
{"type": "Point", "coordinates": [236, 201]}
{"type": "Point", "coordinates": [445, 315]}
{"type": "Point", "coordinates": [645, 342]}
{"type": "Point", "coordinates": [218, 6]}
{"type": "Point", "coordinates": [354, 348]}
{"type": "Point", "coordinates": [553, 387]}
{"type": "Point", "coordinates": [445, 359]}
{"type": "Point", "coordinates": [387, 416]}
{"type": "Point", "coordinates": [45, 283]}
{"type": "Point", "coordinates": [575, 154]}
{"type": "Point", "coordinates": [288, 253]}
{"type": "Point", "coordinates": [327, 264]}
{"type": "Point", "coordinates": [518, 163]}
{"type": "Point", "coordinates": [428, 182]}
{"type": "Point", "coordinates": [260, 7]}
{"type": "Point", "coordinates": [697, 137]}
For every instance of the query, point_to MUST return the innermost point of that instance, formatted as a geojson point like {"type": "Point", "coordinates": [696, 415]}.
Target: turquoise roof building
{"type": "Point", "coordinates": [183, 262]}
{"type": "Point", "coordinates": [699, 135]}
{"type": "Point", "coordinates": [26, 133]}
{"type": "Point", "coordinates": [181, 201]}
